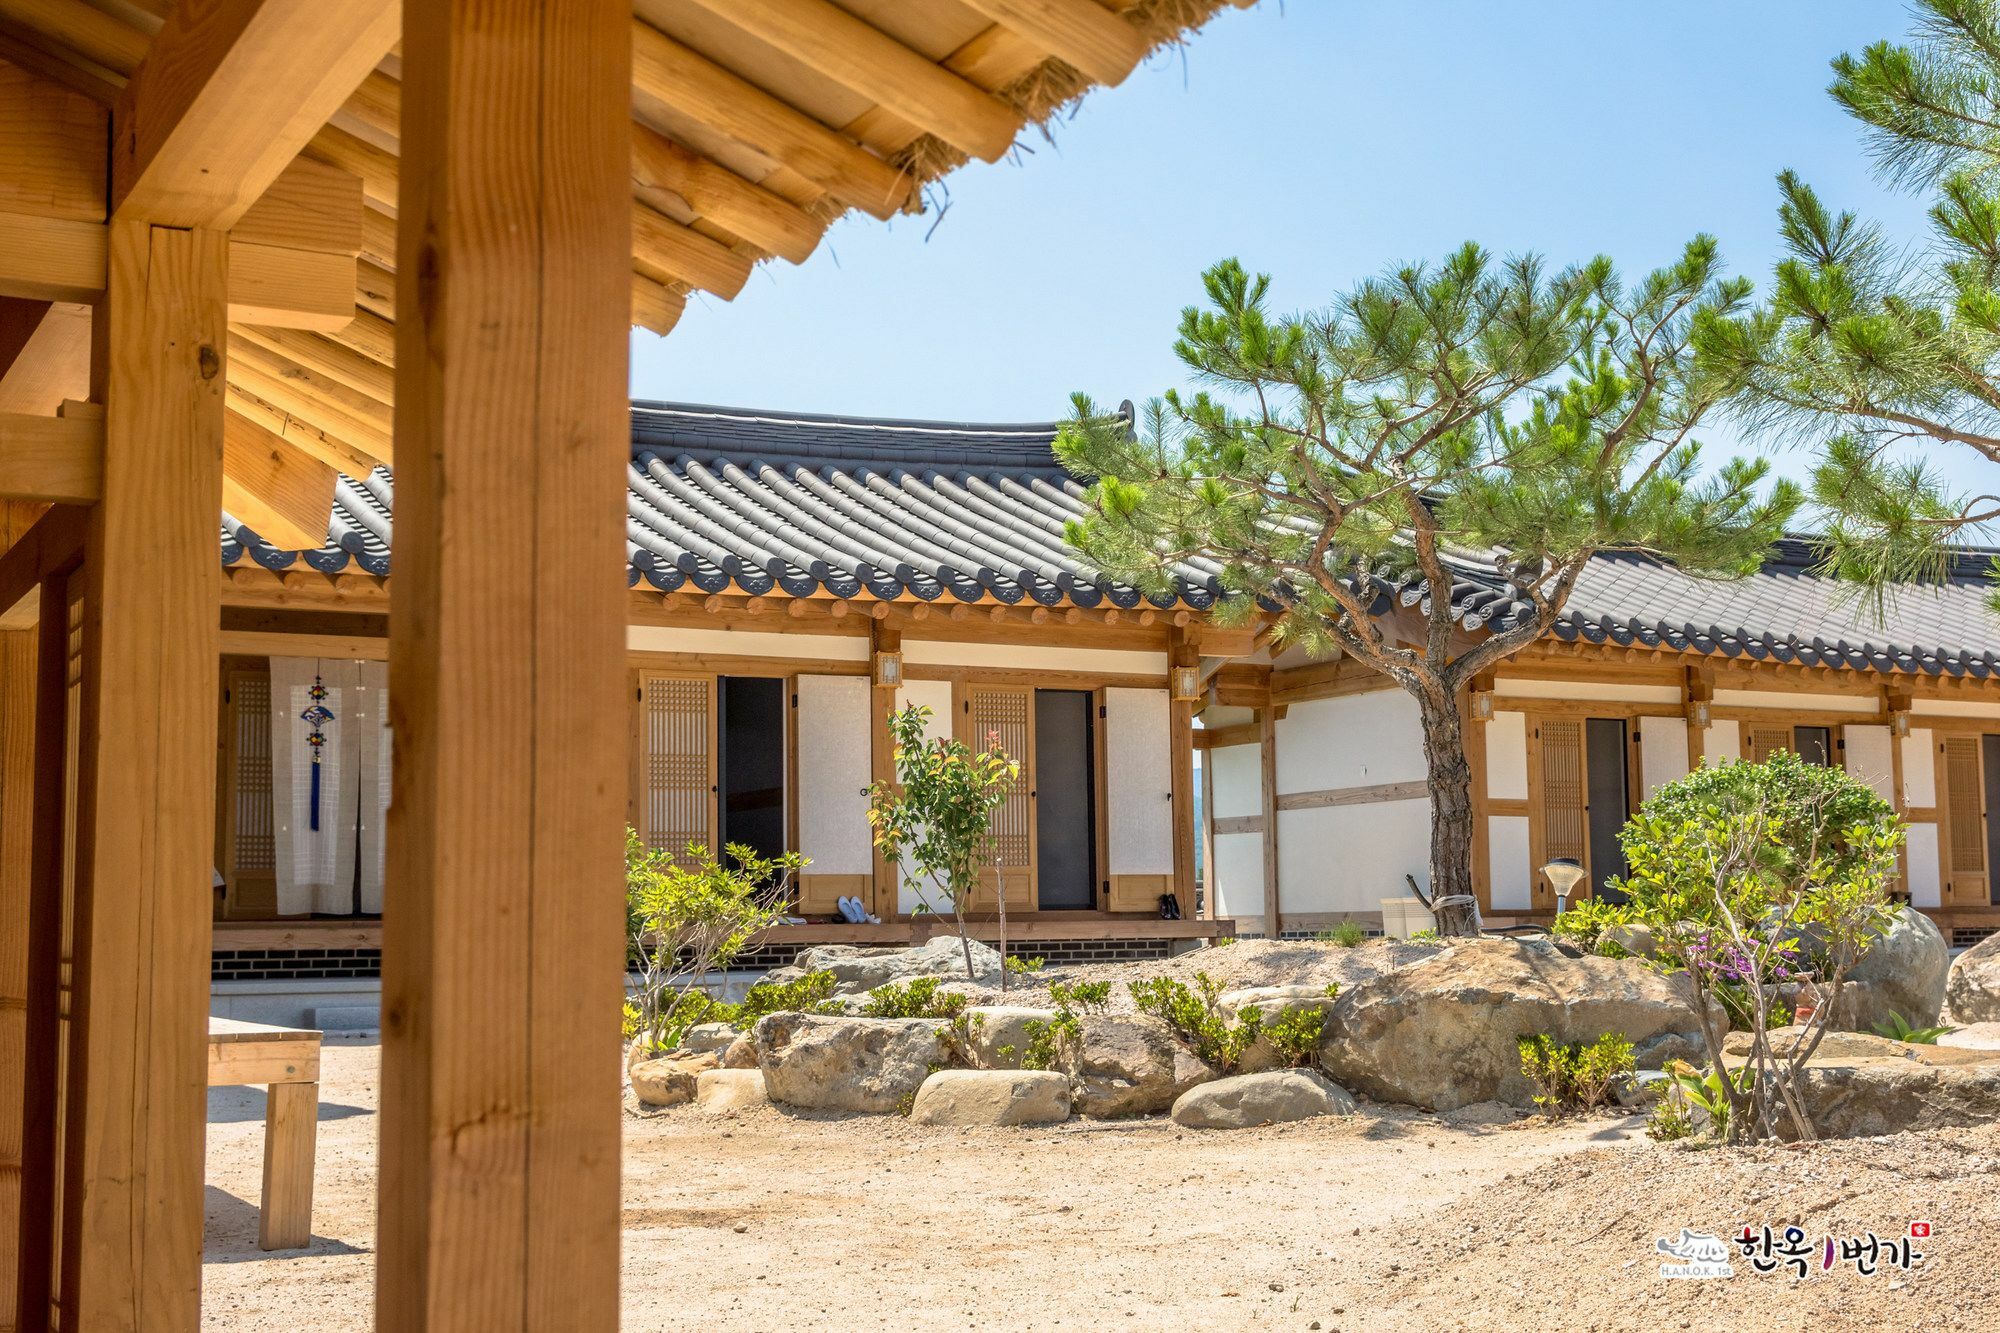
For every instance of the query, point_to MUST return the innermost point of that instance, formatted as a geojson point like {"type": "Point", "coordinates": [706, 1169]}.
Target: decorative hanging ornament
{"type": "Point", "coordinates": [316, 716]}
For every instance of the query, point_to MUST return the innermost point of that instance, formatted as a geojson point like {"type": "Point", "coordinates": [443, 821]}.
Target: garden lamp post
{"type": "Point", "coordinates": [1564, 874]}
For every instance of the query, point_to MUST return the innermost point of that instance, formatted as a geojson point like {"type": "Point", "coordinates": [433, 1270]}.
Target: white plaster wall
{"type": "Point", "coordinates": [1138, 781]}
{"type": "Point", "coordinates": [1588, 689]}
{"type": "Point", "coordinates": [1958, 708]}
{"type": "Point", "coordinates": [1507, 757]}
{"type": "Point", "coordinates": [1357, 741]}
{"type": "Point", "coordinates": [1348, 858]}
{"type": "Point", "coordinates": [1033, 657]}
{"type": "Point", "coordinates": [936, 696]}
{"type": "Point", "coordinates": [1721, 745]}
{"type": "Point", "coordinates": [834, 718]}
{"type": "Point", "coordinates": [1919, 770]}
{"type": "Point", "coordinates": [1801, 703]}
{"type": "Point", "coordinates": [1870, 758]}
{"type": "Point", "coordinates": [1239, 874]}
{"type": "Point", "coordinates": [1239, 780]}
{"type": "Point", "coordinates": [1921, 851]}
{"type": "Point", "coordinates": [1507, 862]}
{"type": "Point", "coordinates": [1663, 751]}
{"type": "Point", "coordinates": [747, 643]}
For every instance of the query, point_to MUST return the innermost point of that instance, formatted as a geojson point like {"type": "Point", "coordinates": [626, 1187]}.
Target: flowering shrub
{"type": "Point", "coordinates": [1761, 880]}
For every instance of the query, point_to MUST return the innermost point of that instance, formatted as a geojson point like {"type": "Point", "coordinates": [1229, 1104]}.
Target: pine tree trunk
{"type": "Point", "coordinates": [1451, 804]}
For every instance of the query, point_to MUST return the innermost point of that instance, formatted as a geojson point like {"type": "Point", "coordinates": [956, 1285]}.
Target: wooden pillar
{"type": "Point", "coordinates": [17, 818]}
{"type": "Point", "coordinates": [136, 1107]}
{"type": "Point", "coordinates": [1182, 651]}
{"type": "Point", "coordinates": [1699, 687]}
{"type": "Point", "coordinates": [1475, 758]}
{"type": "Point", "coordinates": [1267, 753]}
{"type": "Point", "coordinates": [884, 897]}
{"type": "Point", "coordinates": [503, 943]}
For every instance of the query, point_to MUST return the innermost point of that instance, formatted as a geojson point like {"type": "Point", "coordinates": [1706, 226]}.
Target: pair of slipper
{"type": "Point", "coordinates": [852, 910]}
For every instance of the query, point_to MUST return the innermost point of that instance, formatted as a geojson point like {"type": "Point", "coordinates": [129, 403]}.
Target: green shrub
{"type": "Point", "coordinates": [1020, 967]}
{"type": "Point", "coordinates": [1428, 935]}
{"type": "Point", "coordinates": [1574, 1076]}
{"type": "Point", "coordinates": [1741, 1008]}
{"type": "Point", "coordinates": [1049, 1040]}
{"type": "Point", "coordinates": [1583, 924]}
{"type": "Point", "coordinates": [917, 998]}
{"type": "Point", "coordinates": [1295, 1035]}
{"type": "Point", "coordinates": [1898, 1028]}
{"type": "Point", "coordinates": [1669, 1122]}
{"type": "Point", "coordinates": [1347, 934]}
{"type": "Point", "coordinates": [1193, 1016]}
{"type": "Point", "coordinates": [808, 995]}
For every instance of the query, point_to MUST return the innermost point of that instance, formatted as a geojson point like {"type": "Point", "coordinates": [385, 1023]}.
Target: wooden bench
{"type": "Point", "coordinates": [286, 1062]}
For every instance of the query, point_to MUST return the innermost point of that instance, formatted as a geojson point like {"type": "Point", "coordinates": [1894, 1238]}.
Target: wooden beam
{"type": "Point", "coordinates": [298, 398]}
{"type": "Point", "coordinates": [667, 251]}
{"type": "Point", "coordinates": [326, 357]}
{"type": "Point", "coordinates": [1180, 757]}
{"type": "Point", "coordinates": [1082, 33]}
{"type": "Point", "coordinates": [1267, 741]}
{"type": "Point", "coordinates": [58, 459]}
{"type": "Point", "coordinates": [54, 259]}
{"type": "Point", "coordinates": [132, 1215]}
{"type": "Point", "coordinates": [54, 541]}
{"type": "Point", "coordinates": [499, 1206]}
{"type": "Point", "coordinates": [44, 354]}
{"type": "Point", "coordinates": [311, 206]}
{"type": "Point", "coordinates": [336, 453]}
{"type": "Point", "coordinates": [655, 308]}
{"type": "Point", "coordinates": [905, 83]}
{"type": "Point", "coordinates": [675, 179]}
{"type": "Point", "coordinates": [282, 492]}
{"type": "Point", "coordinates": [684, 81]}
{"type": "Point", "coordinates": [227, 95]}
{"type": "Point", "coordinates": [17, 823]}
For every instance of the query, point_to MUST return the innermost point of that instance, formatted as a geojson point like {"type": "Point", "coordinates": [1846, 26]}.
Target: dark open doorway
{"type": "Point", "coordinates": [1065, 783]}
{"type": "Point", "coordinates": [1608, 801]}
{"type": "Point", "coordinates": [750, 765]}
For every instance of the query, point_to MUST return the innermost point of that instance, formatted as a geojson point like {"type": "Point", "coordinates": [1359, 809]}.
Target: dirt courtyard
{"type": "Point", "coordinates": [1391, 1219]}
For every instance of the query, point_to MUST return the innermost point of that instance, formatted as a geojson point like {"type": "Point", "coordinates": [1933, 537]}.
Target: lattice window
{"type": "Point", "coordinates": [1565, 830]}
{"type": "Point", "coordinates": [255, 832]}
{"type": "Point", "coordinates": [1963, 797]}
{"type": "Point", "coordinates": [678, 721]}
{"type": "Point", "coordinates": [1763, 742]}
{"type": "Point", "coordinates": [1006, 713]}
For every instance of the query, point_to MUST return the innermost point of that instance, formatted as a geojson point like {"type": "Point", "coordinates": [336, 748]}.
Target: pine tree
{"type": "Point", "coordinates": [1440, 420]}
{"type": "Point", "coordinates": [1873, 348]}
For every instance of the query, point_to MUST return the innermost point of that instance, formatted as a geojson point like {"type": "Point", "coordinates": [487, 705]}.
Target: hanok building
{"type": "Point", "coordinates": [1318, 804]}
{"type": "Point", "coordinates": [792, 579]}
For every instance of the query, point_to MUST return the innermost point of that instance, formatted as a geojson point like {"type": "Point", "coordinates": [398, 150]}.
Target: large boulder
{"type": "Point", "coordinates": [741, 1053]}
{"type": "Point", "coordinates": [1270, 1004]}
{"type": "Point", "coordinates": [996, 1036]}
{"type": "Point", "coordinates": [670, 1079]}
{"type": "Point", "coordinates": [1903, 971]}
{"type": "Point", "coordinates": [1973, 1037]}
{"type": "Point", "coordinates": [721, 1091]}
{"type": "Point", "coordinates": [988, 1097]}
{"type": "Point", "coordinates": [856, 969]}
{"type": "Point", "coordinates": [708, 1037]}
{"type": "Point", "coordinates": [1128, 1064]}
{"type": "Point", "coordinates": [1269, 1098]}
{"type": "Point", "coordinates": [1443, 1033]}
{"type": "Point", "coordinates": [1860, 1086]}
{"type": "Point", "coordinates": [833, 1063]}
{"type": "Point", "coordinates": [1972, 991]}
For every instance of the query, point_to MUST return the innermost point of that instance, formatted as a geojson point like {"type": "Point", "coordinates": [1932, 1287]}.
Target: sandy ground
{"type": "Point", "coordinates": [1389, 1220]}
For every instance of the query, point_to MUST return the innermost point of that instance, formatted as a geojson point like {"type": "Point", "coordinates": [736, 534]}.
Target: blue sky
{"type": "Point", "coordinates": [1321, 142]}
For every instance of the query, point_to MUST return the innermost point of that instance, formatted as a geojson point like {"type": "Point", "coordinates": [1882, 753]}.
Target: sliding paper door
{"type": "Point", "coordinates": [1005, 715]}
{"type": "Point", "coordinates": [834, 721]}
{"type": "Point", "coordinates": [676, 756]}
{"type": "Point", "coordinates": [1139, 797]}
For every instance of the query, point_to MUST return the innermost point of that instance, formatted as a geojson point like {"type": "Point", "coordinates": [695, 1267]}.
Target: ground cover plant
{"type": "Point", "coordinates": [1196, 1019]}
{"type": "Point", "coordinates": [1574, 1076]}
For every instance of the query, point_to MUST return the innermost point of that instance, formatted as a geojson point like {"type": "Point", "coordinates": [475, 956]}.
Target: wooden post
{"type": "Point", "coordinates": [1208, 908]}
{"type": "Point", "coordinates": [503, 944]}
{"type": "Point", "coordinates": [17, 819]}
{"type": "Point", "coordinates": [1182, 651]}
{"type": "Point", "coordinates": [1267, 747]}
{"type": "Point", "coordinates": [883, 894]}
{"type": "Point", "coordinates": [1698, 686]}
{"type": "Point", "coordinates": [136, 1108]}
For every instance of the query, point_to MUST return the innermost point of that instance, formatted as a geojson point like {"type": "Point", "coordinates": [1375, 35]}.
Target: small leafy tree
{"type": "Point", "coordinates": [1419, 477]}
{"type": "Point", "coordinates": [1890, 353]}
{"type": "Point", "coordinates": [685, 919]}
{"type": "Point", "coordinates": [1755, 878]}
{"type": "Point", "coordinates": [935, 820]}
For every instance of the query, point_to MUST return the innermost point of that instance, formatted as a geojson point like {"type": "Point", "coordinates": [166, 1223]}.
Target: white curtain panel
{"type": "Point", "coordinates": [371, 728]}
{"type": "Point", "coordinates": [315, 856]}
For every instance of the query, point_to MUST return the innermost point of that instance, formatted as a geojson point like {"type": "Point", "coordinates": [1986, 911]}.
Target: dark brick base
{"type": "Point", "coordinates": [1964, 937]}
{"type": "Point", "coordinates": [294, 964]}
